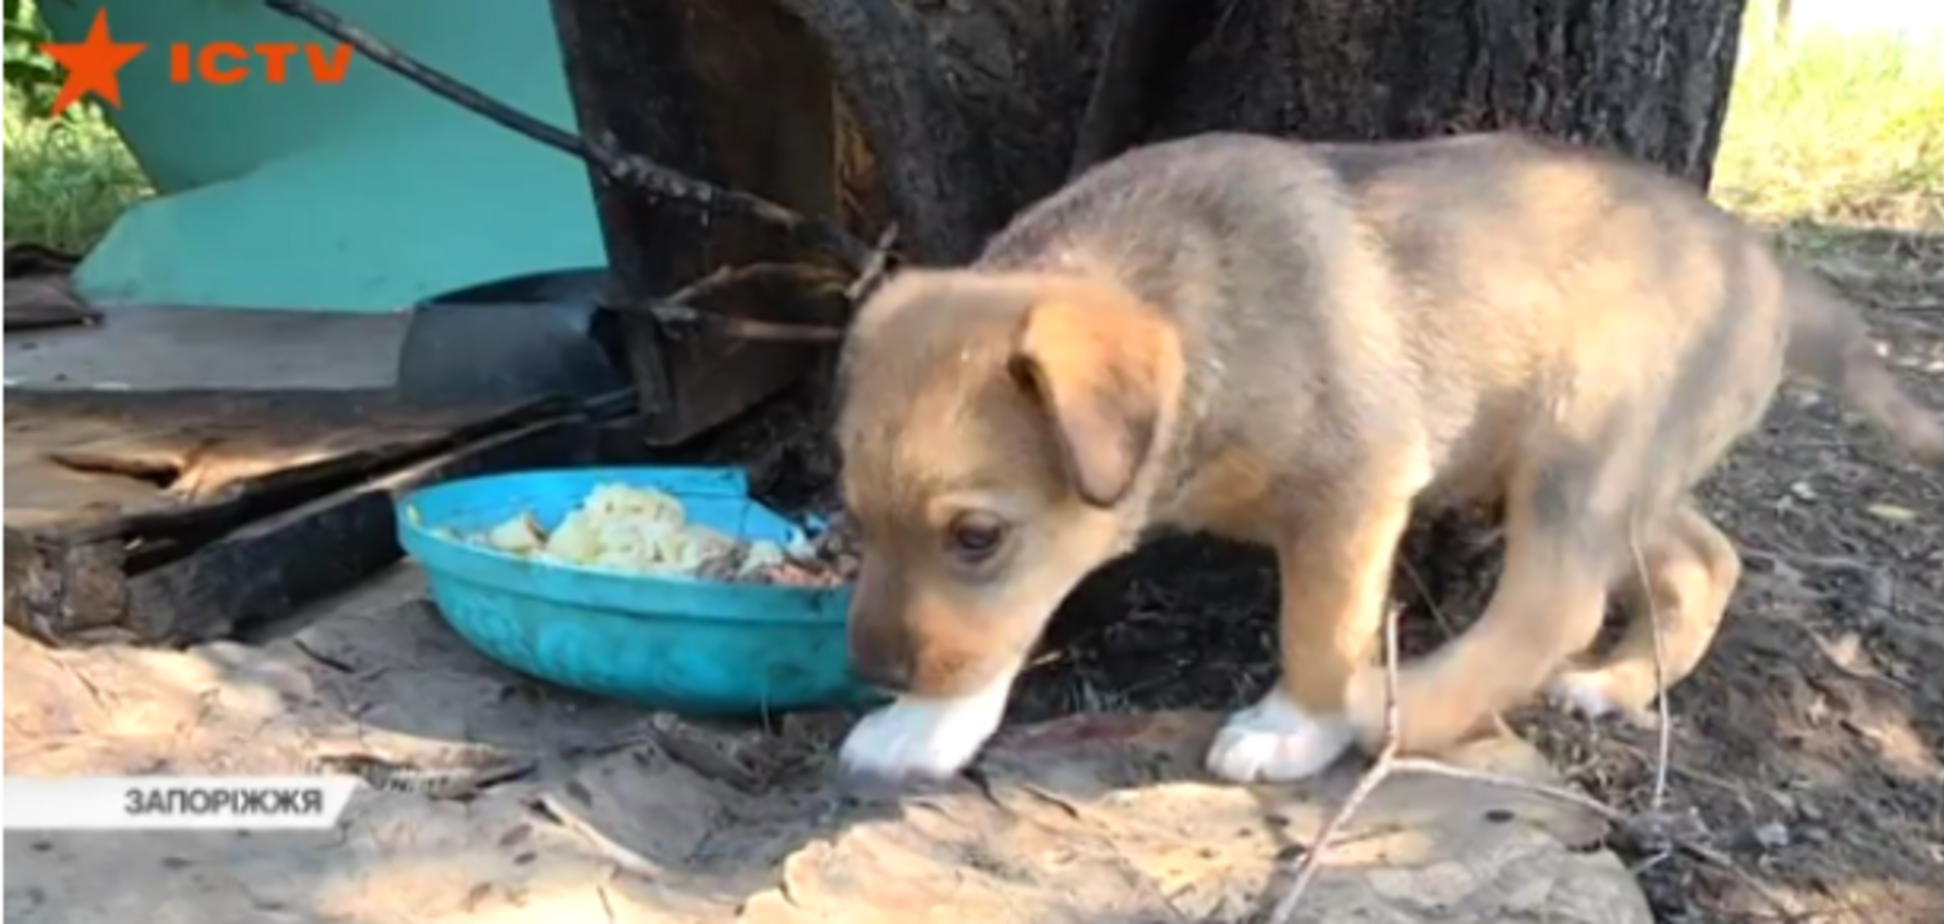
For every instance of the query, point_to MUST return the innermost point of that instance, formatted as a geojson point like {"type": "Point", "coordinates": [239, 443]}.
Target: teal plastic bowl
{"type": "Point", "coordinates": [674, 643]}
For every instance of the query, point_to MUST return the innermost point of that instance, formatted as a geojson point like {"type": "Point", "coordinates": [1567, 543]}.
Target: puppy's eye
{"type": "Point", "coordinates": [975, 536]}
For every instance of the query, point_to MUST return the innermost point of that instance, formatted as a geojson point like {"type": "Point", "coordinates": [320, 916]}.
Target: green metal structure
{"type": "Point", "coordinates": [363, 197]}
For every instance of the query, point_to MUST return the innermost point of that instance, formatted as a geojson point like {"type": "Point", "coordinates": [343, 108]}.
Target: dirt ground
{"type": "Point", "coordinates": [1808, 750]}
{"type": "Point", "coordinates": [496, 798]}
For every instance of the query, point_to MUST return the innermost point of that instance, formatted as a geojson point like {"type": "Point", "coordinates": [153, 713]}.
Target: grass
{"type": "Point", "coordinates": [1836, 129]}
{"type": "Point", "coordinates": [1823, 129]}
{"type": "Point", "coordinates": [67, 179]}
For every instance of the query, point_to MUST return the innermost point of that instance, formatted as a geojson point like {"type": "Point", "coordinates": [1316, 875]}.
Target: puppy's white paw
{"type": "Point", "coordinates": [1273, 741]}
{"type": "Point", "coordinates": [928, 739]}
{"type": "Point", "coordinates": [1585, 691]}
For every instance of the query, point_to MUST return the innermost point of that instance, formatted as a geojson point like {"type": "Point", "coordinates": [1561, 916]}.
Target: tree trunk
{"type": "Point", "coordinates": [1649, 78]}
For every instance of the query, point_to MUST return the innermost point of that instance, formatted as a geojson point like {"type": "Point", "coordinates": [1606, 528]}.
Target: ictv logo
{"type": "Point", "coordinates": [92, 64]}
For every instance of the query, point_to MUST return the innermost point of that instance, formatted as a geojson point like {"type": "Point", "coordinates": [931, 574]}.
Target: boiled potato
{"type": "Point", "coordinates": [576, 541]}
{"type": "Point", "coordinates": [620, 527]}
{"type": "Point", "coordinates": [520, 535]}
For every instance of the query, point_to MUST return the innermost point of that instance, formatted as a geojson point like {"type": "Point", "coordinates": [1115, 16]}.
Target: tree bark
{"type": "Point", "coordinates": [1046, 85]}
{"type": "Point", "coordinates": [953, 114]}
{"type": "Point", "coordinates": [939, 180]}
{"type": "Point", "coordinates": [1649, 78]}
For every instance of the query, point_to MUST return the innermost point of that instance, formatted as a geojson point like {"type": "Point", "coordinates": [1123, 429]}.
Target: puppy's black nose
{"type": "Point", "coordinates": [888, 673]}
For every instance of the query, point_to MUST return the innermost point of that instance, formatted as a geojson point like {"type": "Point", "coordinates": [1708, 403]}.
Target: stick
{"type": "Point", "coordinates": [653, 178]}
{"type": "Point", "coordinates": [1307, 867]}
{"type": "Point", "coordinates": [875, 269]}
{"type": "Point", "coordinates": [626, 859]}
{"type": "Point", "coordinates": [1384, 768]}
{"type": "Point", "coordinates": [1388, 763]}
{"type": "Point", "coordinates": [678, 311]}
{"type": "Point", "coordinates": [811, 282]}
{"type": "Point", "coordinates": [1664, 743]}
{"type": "Point", "coordinates": [1511, 783]}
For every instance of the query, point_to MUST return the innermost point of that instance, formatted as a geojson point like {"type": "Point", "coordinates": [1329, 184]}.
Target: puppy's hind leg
{"type": "Point", "coordinates": [1691, 570]}
{"type": "Point", "coordinates": [1548, 605]}
{"type": "Point", "coordinates": [1335, 577]}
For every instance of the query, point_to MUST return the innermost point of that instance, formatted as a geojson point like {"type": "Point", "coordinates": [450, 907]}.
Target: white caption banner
{"type": "Point", "coordinates": [176, 803]}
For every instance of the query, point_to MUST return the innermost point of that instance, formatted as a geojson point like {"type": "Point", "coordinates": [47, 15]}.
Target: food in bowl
{"type": "Point", "coordinates": [620, 527]}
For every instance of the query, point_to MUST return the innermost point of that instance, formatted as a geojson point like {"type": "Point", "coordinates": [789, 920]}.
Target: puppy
{"type": "Point", "coordinates": [1302, 346]}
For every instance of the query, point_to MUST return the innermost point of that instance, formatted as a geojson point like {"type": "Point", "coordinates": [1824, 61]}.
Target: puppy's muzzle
{"type": "Point", "coordinates": [883, 659]}
{"type": "Point", "coordinates": [892, 675]}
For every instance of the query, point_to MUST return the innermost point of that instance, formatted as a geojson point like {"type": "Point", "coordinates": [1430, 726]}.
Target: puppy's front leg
{"type": "Point", "coordinates": [1336, 572]}
{"type": "Point", "coordinates": [925, 738]}
{"type": "Point", "coordinates": [1560, 554]}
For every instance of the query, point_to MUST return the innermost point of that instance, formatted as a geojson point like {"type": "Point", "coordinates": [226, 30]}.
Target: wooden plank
{"type": "Point", "coordinates": [42, 302]}
{"type": "Point", "coordinates": [88, 466]}
{"type": "Point", "coordinates": [148, 572]}
{"type": "Point", "coordinates": [39, 292]}
{"type": "Point", "coordinates": [671, 81]}
{"type": "Point", "coordinates": [271, 567]}
{"type": "Point", "coordinates": [164, 348]}
{"type": "Point", "coordinates": [62, 590]}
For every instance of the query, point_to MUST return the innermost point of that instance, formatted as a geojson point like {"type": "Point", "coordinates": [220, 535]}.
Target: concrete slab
{"type": "Point", "coordinates": [196, 349]}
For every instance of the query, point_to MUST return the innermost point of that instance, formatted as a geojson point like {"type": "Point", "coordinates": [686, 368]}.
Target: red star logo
{"type": "Point", "coordinates": [91, 65]}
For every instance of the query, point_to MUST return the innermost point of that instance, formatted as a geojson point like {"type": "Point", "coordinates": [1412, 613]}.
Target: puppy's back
{"type": "Point", "coordinates": [1482, 278]}
{"type": "Point", "coordinates": [1171, 206]}
{"type": "Point", "coordinates": [1496, 223]}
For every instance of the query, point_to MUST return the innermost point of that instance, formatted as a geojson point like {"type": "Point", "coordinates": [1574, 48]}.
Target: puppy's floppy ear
{"type": "Point", "coordinates": [1106, 368]}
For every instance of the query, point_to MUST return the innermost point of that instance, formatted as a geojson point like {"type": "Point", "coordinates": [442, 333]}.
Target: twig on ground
{"type": "Point", "coordinates": [1387, 764]}
{"type": "Point", "coordinates": [1430, 602]}
{"type": "Point", "coordinates": [94, 692]}
{"type": "Point", "coordinates": [1613, 815]}
{"type": "Point", "coordinates": [680, 742]}
{"type": "Point", "coordinates": [1307, 867]}
{"type": "Point", "coordinates": [653, 178]}
{"type": "Point", "coordinates": [607, 906]}
{"type": "Point", "coordinates": [1664, 733]}
{"type": "Point", "coordinates": [626, 859]}
{"type": "Point", "coordinates": [1512, 783]}
{"type": "Point", "coordinates": [462, 776]}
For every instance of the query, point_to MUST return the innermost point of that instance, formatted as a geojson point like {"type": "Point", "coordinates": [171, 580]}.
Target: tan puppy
{"type": "Point", "coordinates": [1299, 346]}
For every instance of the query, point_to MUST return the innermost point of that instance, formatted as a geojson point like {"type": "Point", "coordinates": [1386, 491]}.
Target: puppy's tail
{"type": "Point", "coordinates": [1829, 342]}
